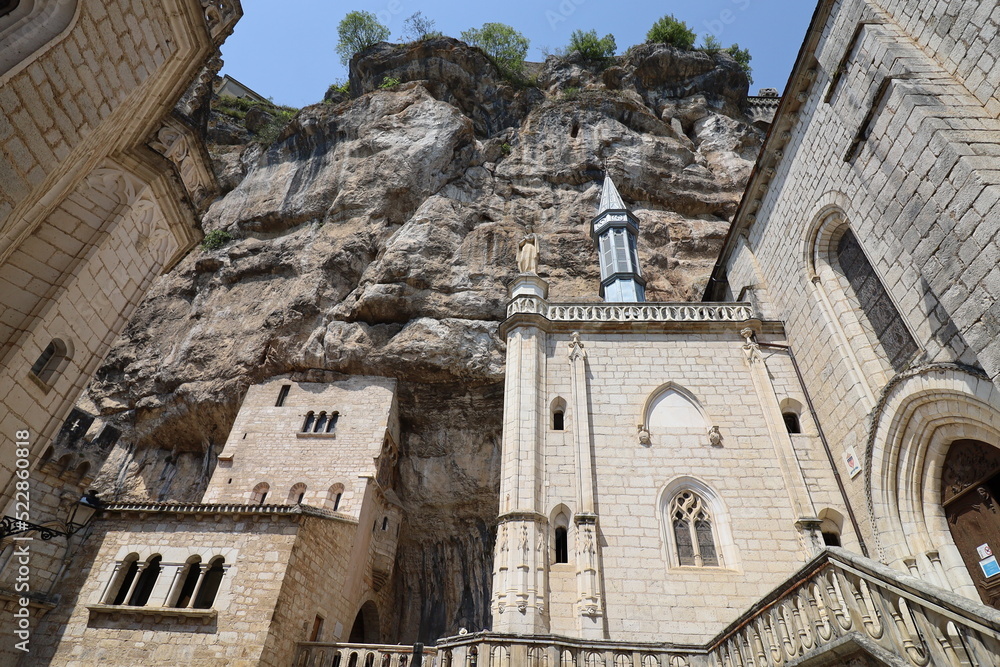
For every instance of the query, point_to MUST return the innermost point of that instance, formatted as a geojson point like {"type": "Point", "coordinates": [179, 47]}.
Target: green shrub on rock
{"type": "Point", "coordinates": [668, 30]}
{"type": "Point", "coordinates": [590, 46]}
{"type": "Point", "coordinates": [215, 239]}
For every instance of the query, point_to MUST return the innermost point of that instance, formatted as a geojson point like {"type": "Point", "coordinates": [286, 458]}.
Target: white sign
{"type": "Point", "coordinates": [853, 463]}
{"type": "Point", "coordinates": [984, 551]}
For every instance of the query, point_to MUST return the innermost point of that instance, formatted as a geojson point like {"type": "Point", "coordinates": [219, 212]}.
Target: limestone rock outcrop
{"type": "Point", "coordinates": [376, 236]}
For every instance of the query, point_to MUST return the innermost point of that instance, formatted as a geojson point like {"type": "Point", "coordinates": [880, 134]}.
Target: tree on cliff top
{"type": "Point", "coordinates": [590, 46]}
{"type": "Point", "coordinates": [669, 30]}
{"type": "Point", "coordinates": [357, 32]}
{"type": "Point", "coordinates": [504, 45]}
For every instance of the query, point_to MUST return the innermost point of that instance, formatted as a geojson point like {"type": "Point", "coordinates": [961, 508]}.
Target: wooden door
{"type": "Point", "coordinates": [970, 492]}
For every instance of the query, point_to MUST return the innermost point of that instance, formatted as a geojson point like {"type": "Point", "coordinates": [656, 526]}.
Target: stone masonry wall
{"type": "Point", "coordinates": [903, 145]}
{"type": "Point", "coordinates": [55, 109]}
{"type": "Point", "coordinates": [266, 443]}
{"type": "Point", "coordinates": [647, 596]}
{"type": "Point", "coordinates": [258, 550]}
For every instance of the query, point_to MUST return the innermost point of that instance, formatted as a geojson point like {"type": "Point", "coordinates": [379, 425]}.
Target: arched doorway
{"type": "Point", "coordinates": [366, 627]}
{"type": "Point", "coordinates": [970, 493]}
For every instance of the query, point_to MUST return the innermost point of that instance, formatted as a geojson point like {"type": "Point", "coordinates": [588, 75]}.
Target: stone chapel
{"type": "Point", "coordinates": [802, 469]}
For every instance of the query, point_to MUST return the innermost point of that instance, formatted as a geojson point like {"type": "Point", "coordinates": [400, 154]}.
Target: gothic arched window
{"type": "Point", "coordinates": [308, 423]}
{"type": "Point", "coordinates": [694, 537]}
{"type": "Point", "coordinates": [878, 308]}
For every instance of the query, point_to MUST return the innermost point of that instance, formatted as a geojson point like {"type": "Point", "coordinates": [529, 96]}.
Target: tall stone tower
{"type": "Point", "coordinates": [614, 230]}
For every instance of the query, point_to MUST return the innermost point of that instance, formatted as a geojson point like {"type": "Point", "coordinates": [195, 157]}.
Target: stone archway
{"type": "Point", "coordinates": [921, 414]}
{"type": "Point", "coordinates": [970, 494]}
{"type": "Point", "coordinates": [366, 625]}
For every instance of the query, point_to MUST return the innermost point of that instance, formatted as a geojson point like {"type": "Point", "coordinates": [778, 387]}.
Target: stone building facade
{"type": "Point", "coordinates": [802, 470]}
{"type": "Point", "coordinates": [102, 181]}
{"type": "Point", "coordinates": [300, 527]}
{"type": "Point", "coordinates": [870, 229]}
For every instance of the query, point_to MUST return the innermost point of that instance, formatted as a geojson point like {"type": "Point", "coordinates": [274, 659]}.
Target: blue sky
{"type": "Point", "coordinates": [285, 50]}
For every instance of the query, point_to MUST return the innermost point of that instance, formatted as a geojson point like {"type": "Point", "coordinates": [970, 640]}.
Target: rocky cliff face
{"type": "Point", "coordinates": [376, 236]}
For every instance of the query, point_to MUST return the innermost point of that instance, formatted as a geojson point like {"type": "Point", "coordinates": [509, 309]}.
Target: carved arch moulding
{"type": "Point", "coordinates": [919, 415]}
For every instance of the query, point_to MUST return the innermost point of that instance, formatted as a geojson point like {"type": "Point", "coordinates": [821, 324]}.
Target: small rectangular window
{"type": "Point", "coordinates": [282, 395]}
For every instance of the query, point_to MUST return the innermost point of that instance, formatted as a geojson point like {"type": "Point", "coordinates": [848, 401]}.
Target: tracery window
{"type": "Point", "coordinates": [694, 537]}
{"type": "Point", "coordinates": [878, 307]}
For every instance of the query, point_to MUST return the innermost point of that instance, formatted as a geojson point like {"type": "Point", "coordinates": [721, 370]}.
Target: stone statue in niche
{"type": "Point", "coordinates": [524, 539]}
{"type": "Point", "coordinates": [644, 438]}
{"type": "Point", "coordinates": [715, 437]}
{"type": "Point", "coordinates": [527, 254]}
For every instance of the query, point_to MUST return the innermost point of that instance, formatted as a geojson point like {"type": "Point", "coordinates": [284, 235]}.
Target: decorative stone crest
{"type": "Point", "coordinates": [715, 437]}
{"type": "Point", "coordinates": [576, 350]}
{"type": "Point", "coordinates": [750, 348]}
{"type": "Point", "coordinates": [644, 437]}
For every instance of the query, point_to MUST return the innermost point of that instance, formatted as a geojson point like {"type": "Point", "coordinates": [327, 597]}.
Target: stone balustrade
{"type": "Point", "coordinates": [841, 599]}
{"type": "Point", "coordinates": [839, 604]}
{"type": "Point", "coordinates": [319, 654]}
{"type": "Point", "coordinates": [496, 650]}
{"type": "Point", "coordinates": [638, 312]}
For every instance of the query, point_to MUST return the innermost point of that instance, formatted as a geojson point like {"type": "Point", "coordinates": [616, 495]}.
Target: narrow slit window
{"type": "Point", "coordinates": [558, 421]}
{"type": "Point", "coordinates": [792, 424]}
{"type": "Point", "coordinates": [562, 545]}
{"type": "Point", "coordinates": [282, 395]}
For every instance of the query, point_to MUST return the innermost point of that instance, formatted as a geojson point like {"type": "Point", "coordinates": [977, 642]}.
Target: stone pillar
{"type": "Point", "coordinates": [520, 556]}
{"type": "Point", "coordinates": [807, 523]}
{"type": "Point", "coordinates": [588, 565]}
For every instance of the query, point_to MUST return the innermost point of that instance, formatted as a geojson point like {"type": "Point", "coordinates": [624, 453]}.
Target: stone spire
{"type": "Point", "coordinates": [615, 230]}
{"type": "Point", "coordinates": [610, 199]}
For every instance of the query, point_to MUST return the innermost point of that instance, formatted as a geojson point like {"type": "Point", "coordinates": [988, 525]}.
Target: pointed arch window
{"type": "Point", "coordinates": [694, 535]}
{"type": "Point", "coordinates": [876, 304]}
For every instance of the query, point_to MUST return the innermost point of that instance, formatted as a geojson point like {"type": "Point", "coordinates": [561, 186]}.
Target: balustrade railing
{"type": "Point", "coordinates": [836, 599]}
{"type": "Point", "coordinates": [318, 654]}
{"type": "Point", "coordinates": [641, 312]}
{"type": "Point", "coordinates": [841, 594]}
{"type": "Point", "coordinates": [495, 650]}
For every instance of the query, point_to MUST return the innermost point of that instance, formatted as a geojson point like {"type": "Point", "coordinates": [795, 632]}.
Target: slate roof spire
{"type": "Point", "coordinates": [615, 232]}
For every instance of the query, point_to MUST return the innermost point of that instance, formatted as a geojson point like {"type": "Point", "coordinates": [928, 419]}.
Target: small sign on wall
{"type": "Point", "coordinates": [990, 566]}
{"type": "Point", "coordinates": [853, 463]}
{"type": "Point", "coordinates": [984, 551]}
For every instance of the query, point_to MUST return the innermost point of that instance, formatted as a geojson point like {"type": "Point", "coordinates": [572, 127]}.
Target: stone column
{"type": "Point", "coordinates": [807, 523]}
{"type": "Point", "coordinates": [520, 556]}
{"type": "Point", "coordinates": [589, 605]}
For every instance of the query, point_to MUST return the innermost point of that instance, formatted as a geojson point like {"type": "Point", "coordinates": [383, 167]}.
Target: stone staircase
{"type": "Point", "coordinates": [840, 609]}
